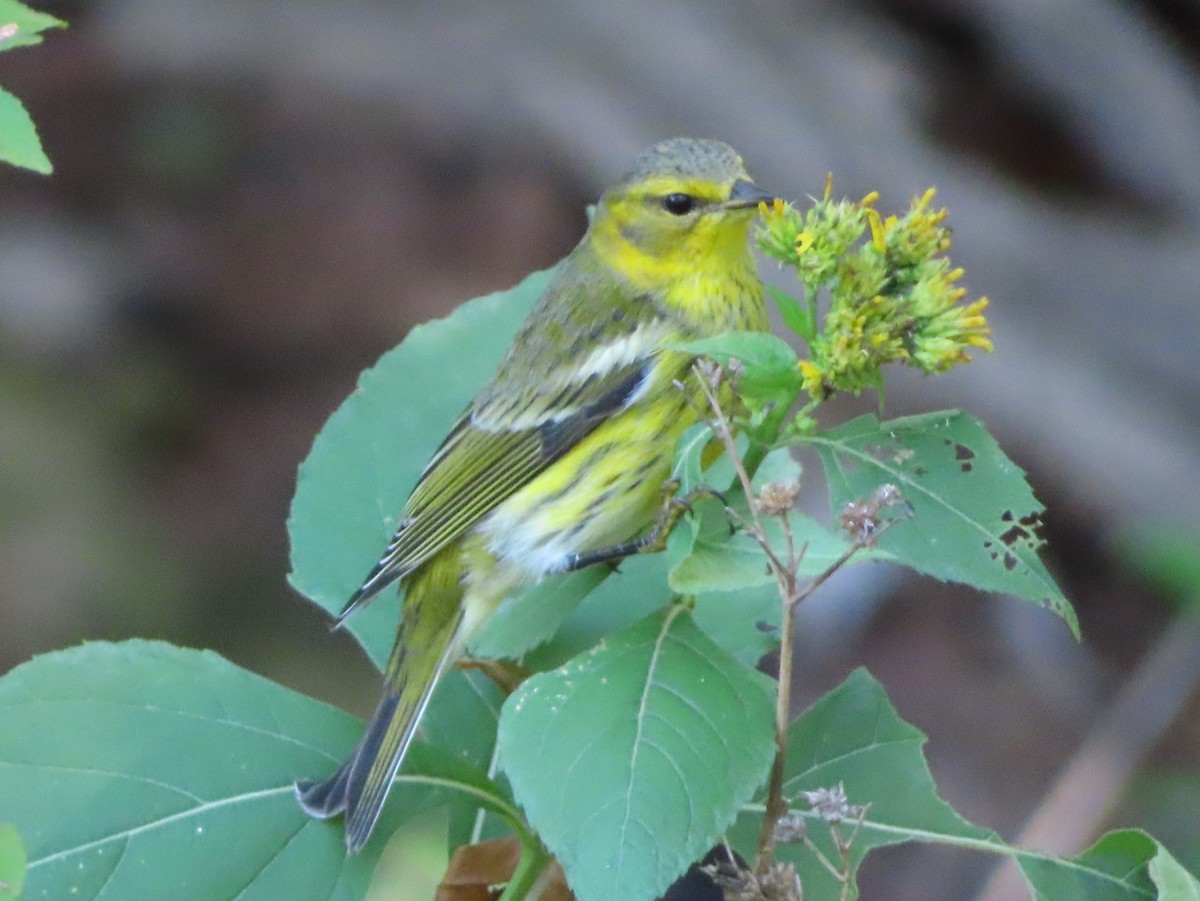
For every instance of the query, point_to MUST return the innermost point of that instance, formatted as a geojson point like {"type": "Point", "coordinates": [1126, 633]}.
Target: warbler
{"type": "Point", "coordinates": [559, 462]}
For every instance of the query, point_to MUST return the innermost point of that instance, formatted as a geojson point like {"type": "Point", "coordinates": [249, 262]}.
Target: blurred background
{"type": "Point", "coordinates": [252, 201]}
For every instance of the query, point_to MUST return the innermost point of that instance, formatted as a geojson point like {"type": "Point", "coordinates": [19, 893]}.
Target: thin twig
{"type": "Point", "coordinates": [786, 575]}
{"type": "Point", "coordinates": [824, 860]}
{"type": "Point", "coordinates": [709, 376]}
{"type": "Point", "coordinates": [777, 806]}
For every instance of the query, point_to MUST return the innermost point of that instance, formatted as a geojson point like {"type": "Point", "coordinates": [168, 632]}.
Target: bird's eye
{"type": "Point", "coordinates": [679, 204]}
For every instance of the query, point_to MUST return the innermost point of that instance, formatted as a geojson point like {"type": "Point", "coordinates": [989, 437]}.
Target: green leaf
{"type": "Point", "coordinates": [432, 777]}
{"type": "Point", "coordinates": [976, 520]}
{"type": "Point", "coordinates": [366, 459]}
{"type": "Point", "coordinates": [744, 622]}
{"type": "Point", "coordinates": [637, 590]}
{"type": "Point", "coordinates": [793, 314]}
{"type": "Point", "coordinates": [19, 142]}
{"type": "Point", "coordinates": [21, 26]}
{"type": "Point", "coordinates": [689, 469]}
{"type": "Point", "coordinates": [29, 24]}
{"type": "Point", "coordinates": [12, 863]}
{"type": "Point", "coordinates": [854, 737]}
{"type": "Point", "coordinates": [554, 625]}
{"type": "Point", "coordinates": [462, 703]}
{"type": "Point", "coordinates": [631, 759]}
{"type": "Point", "coordinates": [721, 561]}
{"type": "Point", "coordinates": [777, 466]}
{"type": "Point", "coordinates": [461, 721]}
{"type": "Point", "coordinates": [532, 617]}
{"type": "Point", "coordinates": [695, 482]}
{"type": "Point", "coordinates": [689, 465]}
{"type": "Point", "coordinates": [760, 349]}
{"type": "Point", "coordinates": [177, 770]}
{"type": "Point", "coordinates": [770, 365]}
{"type": "Point", "coordinates": [1113, 869]}
{"type": "Point", "coordinates": [1173, 882]}
{"type": "Point", "coordinates": [1166, 803]}
{"type": "Point", "coordinates": [136, 766]}
{"type": "Point", "coordinates": [736, 601]}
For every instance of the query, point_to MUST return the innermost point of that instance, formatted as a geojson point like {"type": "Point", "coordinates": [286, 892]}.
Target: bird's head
{"type": "Point", "coordinates": [684, 207]}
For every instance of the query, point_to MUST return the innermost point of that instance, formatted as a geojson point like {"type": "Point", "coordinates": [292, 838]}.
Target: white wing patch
{"type": "Point", "coordinates": [639, 343]}
{"type": "Point", "coordinates": [628, 349]}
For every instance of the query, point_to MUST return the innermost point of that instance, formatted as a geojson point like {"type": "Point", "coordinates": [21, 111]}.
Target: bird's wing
{"type": "Point", "coordinates": [501, 444]}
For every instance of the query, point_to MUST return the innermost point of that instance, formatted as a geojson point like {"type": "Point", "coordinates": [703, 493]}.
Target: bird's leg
{"type": "Point", "coordinates": [653, 539]}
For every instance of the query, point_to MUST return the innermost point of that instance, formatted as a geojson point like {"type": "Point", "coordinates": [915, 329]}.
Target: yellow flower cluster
{"type": "Point", "coordinates": [893, 296]}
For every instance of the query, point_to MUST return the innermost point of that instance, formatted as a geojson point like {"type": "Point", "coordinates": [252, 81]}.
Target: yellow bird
{"type": "Point", "coordinates": [559, 462]}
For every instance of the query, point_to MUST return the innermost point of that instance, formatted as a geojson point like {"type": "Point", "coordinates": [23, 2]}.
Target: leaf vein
{"type": "Point", "coordinates": [161, 821]}
{"type": "Point", "coordinates": [109, 773]}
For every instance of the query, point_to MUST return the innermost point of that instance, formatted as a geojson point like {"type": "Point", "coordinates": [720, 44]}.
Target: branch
{"type": "Point", "coordinates": [860, 519]}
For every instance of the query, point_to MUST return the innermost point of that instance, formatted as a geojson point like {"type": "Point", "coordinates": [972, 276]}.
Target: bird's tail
{"type": "Point", "coordinates": [430, 639]}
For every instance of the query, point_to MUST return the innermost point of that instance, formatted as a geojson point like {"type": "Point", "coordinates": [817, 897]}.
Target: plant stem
{"type": "Point", "coordinates": [777, 807]}
{"type": "Point", "coordinates": [786, 574]}
{"type": "Point", "coordinates": [811, 847]}
{"type": "Point", "coordinates": [529, 870]}
{"type": "Point", "coordinates": [768, 434]}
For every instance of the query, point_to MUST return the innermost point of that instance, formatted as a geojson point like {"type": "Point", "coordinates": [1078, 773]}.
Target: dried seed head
{"type": "Point", "coordinates": [781, 883]}
{"type": "Point", "coordinates": [790, 828]}
{"type": "Point", "coordinates": [887, 495]}
{"type": "Point", "coordinates": [777, 498]}
{"type": "Point", "coordinates": [832, 805]}
{"type": "Point", "coordinates": [709, 370]}
{"type": "Point", "coordinates": [778, 882]}
{"type": "Point", "coordinates": [860, 518]}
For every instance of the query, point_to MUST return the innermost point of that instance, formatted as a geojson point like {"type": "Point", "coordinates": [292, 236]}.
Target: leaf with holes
{"type": "Point", "coordinates": [853, 738]}
{"type": "Point", "coordinates": [632, 758]}
{"type": "Point", "coordinates": [975, 519]}
{"type": "Point", "coordinates": [176, 769]}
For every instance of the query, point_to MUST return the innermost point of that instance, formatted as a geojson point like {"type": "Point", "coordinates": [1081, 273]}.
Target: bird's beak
{"type": "Point", "coordinates": [745, 195]}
